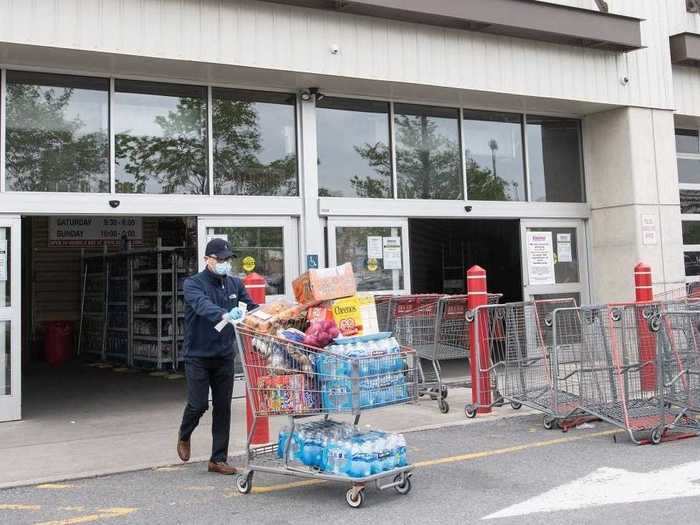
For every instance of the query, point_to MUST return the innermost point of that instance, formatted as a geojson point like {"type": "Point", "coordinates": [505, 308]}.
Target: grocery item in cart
{"type": "Point", "coordinates": [356, 315]}
{"type": "Point", "coordinates": [287, 394]}
{"type": "Point", "coordinates": [325, 284]}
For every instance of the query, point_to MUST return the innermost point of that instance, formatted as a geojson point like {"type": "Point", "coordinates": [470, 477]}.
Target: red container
{"type": "Point", "coordinates": [58, 343]}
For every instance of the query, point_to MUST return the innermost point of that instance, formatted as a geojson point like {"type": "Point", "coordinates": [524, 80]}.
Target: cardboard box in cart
{"type": "Point", "coordinates": [325, 284]}
{"type": "Point", "coordinates": [355, 315]}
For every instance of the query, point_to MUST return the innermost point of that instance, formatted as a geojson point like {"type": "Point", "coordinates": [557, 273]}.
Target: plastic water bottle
{"type": "Point", "coordinates": [282, 442]}
{"type": "Point", "coordinates": [401, 452]}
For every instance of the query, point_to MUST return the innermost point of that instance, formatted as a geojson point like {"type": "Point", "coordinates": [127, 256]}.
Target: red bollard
{"type": "Point", "coordinates": [255, 285]}
{"type": "Point", "coordinates": [643, 294]}
{"type": "Point", "coordinates": [481, 380]}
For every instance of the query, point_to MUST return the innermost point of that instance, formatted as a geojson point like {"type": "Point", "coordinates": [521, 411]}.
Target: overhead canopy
{"type": "Point", "coordinates": [531, 19]}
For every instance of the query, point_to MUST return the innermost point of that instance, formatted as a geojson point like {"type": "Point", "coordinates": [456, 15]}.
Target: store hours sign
{"type": "Point", "coordinates": [91, 232]}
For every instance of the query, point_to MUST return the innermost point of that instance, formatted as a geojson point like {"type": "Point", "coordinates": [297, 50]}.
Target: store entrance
{"type": "Point", "coordinates": [443, 249]}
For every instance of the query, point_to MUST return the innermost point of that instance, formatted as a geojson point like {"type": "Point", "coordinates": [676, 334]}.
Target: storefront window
{"type": "Point", "coordinates": [354, 157]}
{"type": "Point", "coordinates": [690, 201]}
{"type": "Point", "coordinates": [691, 232]}
{"type": "Point", "coordinates": [493, 152]}
{"type": "Point", "coordinates": [5, 273]}
{"type": "Point", "coordinates": [57, 133]}
{"type": "Point", "coordinates": [255, 150]}
{"type": "Point", "coordinates": [692, 264]}
{"type": "Point", "coordinates": [428, 160]}
{"type": "Point", "coordinates": [160, 138]}
{"type": "Point", "coordinates": [362, 246]}
{"type": "Point", "coordinates": [259, 250]}
{"type": "Point", "coordinates": [689, 171]}
{"type": "Point", "coordinates": [687, 141]}
{"type": "Point", "coordinates": [554, 153]}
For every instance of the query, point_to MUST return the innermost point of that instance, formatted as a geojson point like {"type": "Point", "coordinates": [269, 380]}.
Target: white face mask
{"type": "Point", "coordinates": [222, 268]}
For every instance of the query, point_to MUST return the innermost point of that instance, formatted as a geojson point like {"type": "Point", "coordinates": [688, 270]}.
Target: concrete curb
{"type": "Point", "coordinates": [237, 454]}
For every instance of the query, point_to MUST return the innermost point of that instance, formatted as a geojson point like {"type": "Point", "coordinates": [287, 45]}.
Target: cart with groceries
{"type": "Point", "coordinates": [314, 364]}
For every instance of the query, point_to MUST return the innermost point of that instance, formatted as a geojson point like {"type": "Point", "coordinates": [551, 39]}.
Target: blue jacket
{"type": "Point", "coordinates": [207, 298]}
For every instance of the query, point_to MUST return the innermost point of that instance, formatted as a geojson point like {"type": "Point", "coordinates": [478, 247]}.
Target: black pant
{"type": "Point", "coordinates": [201, 374]}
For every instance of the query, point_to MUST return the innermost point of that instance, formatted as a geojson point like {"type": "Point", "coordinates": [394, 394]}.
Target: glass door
{"type": "Point", "coordinates": [10, 352]}
{"type": "Point", "coordinates": [377, 249]}
{"type": "Point", "coordinates": [267, 246]}
{"type": "Point", "coordinates": [554, 260]}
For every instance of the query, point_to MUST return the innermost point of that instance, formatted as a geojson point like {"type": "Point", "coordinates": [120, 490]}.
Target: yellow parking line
{"type": "Point", "coordinates": [510, 450]}
{"type": "Point", "coordinates": [451, 459]}
{"type": "Point", "coordinates": [56, 486]}
{"type": "Point", "coordinates": [115, 512]}
{"type": "Point", "coordinates": [18, 506]}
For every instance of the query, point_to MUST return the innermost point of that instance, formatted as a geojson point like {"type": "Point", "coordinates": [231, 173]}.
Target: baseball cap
{"type": "Point", "coordinates": [219, 248]}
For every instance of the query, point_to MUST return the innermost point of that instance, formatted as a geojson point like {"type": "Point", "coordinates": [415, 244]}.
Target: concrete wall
{"type": "Point", "coordinates": [631, 171]}
{"type": "Point", "coordinates": [282, 38]}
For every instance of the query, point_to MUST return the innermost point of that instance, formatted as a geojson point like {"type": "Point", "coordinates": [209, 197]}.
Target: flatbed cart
{"type": "Point", "coordinates": [285, 378]}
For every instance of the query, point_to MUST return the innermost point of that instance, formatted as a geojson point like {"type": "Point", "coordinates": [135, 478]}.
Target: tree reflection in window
{"type": "Point", "coordinates": [354, 158]}
{"type": "Point", "coordinates": [254, 143]}
{"type": "Point", "coordinates": [57, 133]}
{"type": "Point", "coordinates": [427, 152]}
{"type": "Point", "coordinates": [160, 138]}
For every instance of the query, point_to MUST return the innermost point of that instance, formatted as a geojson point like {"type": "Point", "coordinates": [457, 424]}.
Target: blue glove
{"type": "Point", "coordinates": [235, 314]}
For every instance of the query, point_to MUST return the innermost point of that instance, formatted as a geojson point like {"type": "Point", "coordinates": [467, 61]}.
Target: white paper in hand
{"type": "Point", "coordinates": [222, 324]}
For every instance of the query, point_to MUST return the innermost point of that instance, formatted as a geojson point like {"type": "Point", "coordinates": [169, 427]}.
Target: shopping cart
{"type": "Point", "coordinates": [620, 374]}
{"type": "Point", "coordinates": [678, 347]}
{"type": "Point", "coordinates": [436, 327]}
{"type": "Point", "coordinates": [285, 378]}
{"type": "Point", "coordinates": [522, 368]}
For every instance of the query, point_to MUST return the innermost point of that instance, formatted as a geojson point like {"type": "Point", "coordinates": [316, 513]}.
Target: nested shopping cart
{"type": "Point", "coordinates": [622, 377]}
{"type": "Point", "coordinates": [518, 361]}
{"type": "Point", "coordinates": [285, 378]}
{"type": "Point", "coordinates": [436, 327]}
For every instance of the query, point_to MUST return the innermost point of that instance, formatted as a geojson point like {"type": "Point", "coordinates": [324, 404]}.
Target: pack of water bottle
{"type": "Point", "coordinates": [371, 358]}
{"type": "Point", "coordinates": [341, 449]}
{"type": "Point", "coordinates": [375, 391]}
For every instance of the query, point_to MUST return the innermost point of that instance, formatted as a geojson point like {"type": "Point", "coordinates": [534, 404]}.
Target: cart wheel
{"type": "Point", "coordinates": [470, 411]}
{"type": "Point", "coordinates": [355, 500]}
{"type": "Point", "coordinates": [404, 487]}
{"type": "Point", "coordinates": [244, 483]}
{"type": "Point", "coordinates": [443, 392]}
{"type": "Point", "coordinates": [515, 405]}
{"type": "Point", "coordinates": [443, 406]}
{"type": "Point", "coordinates": [548, 422]}
{"type": "Point", "coordinates": [656, 436]}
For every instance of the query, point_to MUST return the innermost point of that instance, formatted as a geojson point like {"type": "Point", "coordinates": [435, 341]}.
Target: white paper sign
{"type": "Point", "coordinates": [217, 236]}
{"type": "Point", "coordinates": [94, 231]}
{"type": "Point", "coordinates": [649, 230]}
{"type": "Point", "coordinates": [393, 242]}
{"type": "Point", "coordinates": [564, 252]}
{"type": "Point", "coordinates": [540, 258]}
{"type": "Point", "coordinates": [392, 257]}
{"type": "Point", "coordinates": [374, 247]}
{"type": "Point", "coordinates": [3, 260]}
{"type": "Point", "coordinates": [563, 237]}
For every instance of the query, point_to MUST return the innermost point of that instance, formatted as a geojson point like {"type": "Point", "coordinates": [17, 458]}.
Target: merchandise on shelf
{"type": "Point", "coordinates": [341, 449]}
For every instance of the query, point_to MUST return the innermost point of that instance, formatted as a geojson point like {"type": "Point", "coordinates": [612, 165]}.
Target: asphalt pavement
{"type": "Point", "coordinates": [499, 472]}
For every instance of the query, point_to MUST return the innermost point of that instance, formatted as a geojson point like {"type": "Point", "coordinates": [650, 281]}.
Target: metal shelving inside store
{"type": "Point", "coordinates": [143, 306]}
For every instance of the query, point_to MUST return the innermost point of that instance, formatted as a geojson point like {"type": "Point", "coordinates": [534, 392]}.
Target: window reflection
{"type": "Point", "coordinates": [254, 143]}
{"type": "Point", "coordinates": [354, 158]}
{"type": "Point", "coordinates": [493, 152]}
{"type": "Point", "coordinates": [370, 274]}
{"type": "Point", "coordinates": [160, 138]}
{"type": "Point", "coordinates": [428, 159]}
{"type": "Point", "coordinates": [687, 141]}
{"type": "Point", "coordinates": [57, 133]}
{"type": "Point", "coordinates": [555, 161]}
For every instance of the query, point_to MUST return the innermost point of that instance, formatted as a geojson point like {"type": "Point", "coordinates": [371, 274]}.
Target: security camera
{"type": "Point", "coordinates": [468, 209]}
{"type": "Point", "coordinates": [624, 81]}
{"type": "Point", "coordinates": [114, 204]}
{"type": "Point", "coordinates": [335, 49]}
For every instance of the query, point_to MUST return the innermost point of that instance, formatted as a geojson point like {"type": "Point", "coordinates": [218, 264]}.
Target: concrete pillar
{"type": "Point", "coordinates": [311, 227]}
{"type": "Point", "coordinates": [632, 186]}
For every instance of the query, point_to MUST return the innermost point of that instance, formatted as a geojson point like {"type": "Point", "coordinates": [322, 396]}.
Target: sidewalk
{"type": "Point", "coordinates": [132, 423]}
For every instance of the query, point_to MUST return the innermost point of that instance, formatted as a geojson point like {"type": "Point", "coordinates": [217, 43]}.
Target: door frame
{"type": "Point", "coordinates": [11, 406]}
{"type": "Point", "coordinates": [290, 232]}
{"type": "Point", "coordinates": [374, 222]}
{"type": "Point", "coordinates": [582, 287]}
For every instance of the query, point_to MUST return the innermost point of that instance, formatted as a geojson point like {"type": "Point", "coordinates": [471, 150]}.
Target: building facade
{"type": "Point", "coordinates": [361, 131]}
